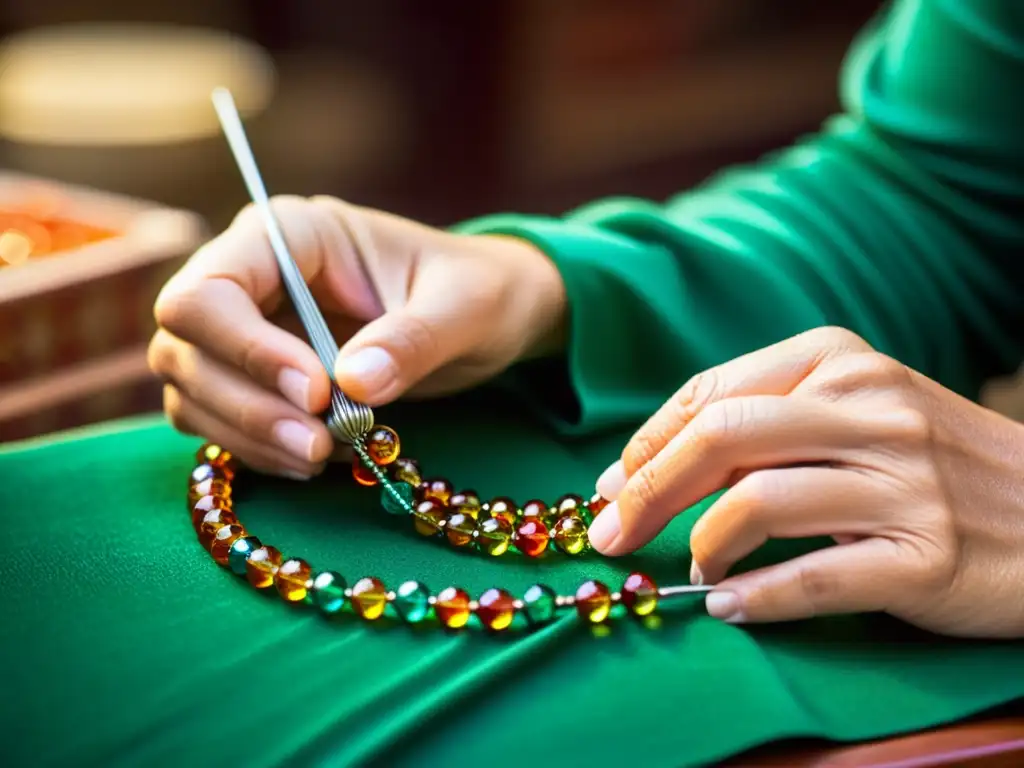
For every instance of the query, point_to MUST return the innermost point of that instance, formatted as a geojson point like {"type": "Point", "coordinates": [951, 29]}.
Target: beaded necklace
{"type": "Point", "coordinates": [494, 528]}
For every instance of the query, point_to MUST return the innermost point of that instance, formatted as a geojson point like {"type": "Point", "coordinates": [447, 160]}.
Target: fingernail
{"type": "Point", "coordinates": [606, 528]}
{"type": "Point", "coordinates": [612, 481]}
{"type": "Point", "coordinates": [295, 438]}
{"type": "Point", "coordinates": [295, 386]}
{"type": "Point", "coordinates": [724, 606]}
{"type": "Point", "coordinates": [373, 368]}
{"type": "Point", "coordinates": [696, 577]}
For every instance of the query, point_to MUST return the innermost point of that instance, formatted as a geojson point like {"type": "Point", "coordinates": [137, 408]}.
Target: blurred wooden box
{"type": "Point", "coordinates": [74, 324]}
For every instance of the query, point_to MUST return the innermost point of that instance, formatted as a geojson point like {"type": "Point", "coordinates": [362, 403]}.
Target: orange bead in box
{"type": "Point", "coordinates": [261, 566]}
{"type": "Point", "coordinates": [292, 579]}
{"type": "Point", "coordinates": [212, 522]}
{"type": "Point", "coordinates": [383, 445]}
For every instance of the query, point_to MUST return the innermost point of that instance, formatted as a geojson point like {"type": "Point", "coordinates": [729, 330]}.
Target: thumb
{"type": "Point", "coordinates": [393, 353]}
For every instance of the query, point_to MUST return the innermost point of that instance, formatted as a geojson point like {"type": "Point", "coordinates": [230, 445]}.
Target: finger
{"type": "Point", "coordinates": [727, 439]}
{"type": "Point", "coordinates": [789, 503]}
{"type": "Point", "coordinates": [191, 418]}
{"type": "Point", "coordinates": [773, 370]}
{"type": "Point", "coordinates": [396, 351]}
{"type": "Point", "coordinates": [862, 577]}
{"type": "Point", "coordinates": [218, 300]}
{"type": "Point", "coordinates": [262, 416]}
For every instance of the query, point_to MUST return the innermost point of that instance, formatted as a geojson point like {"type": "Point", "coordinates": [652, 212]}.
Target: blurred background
{"type": "Point", "coordinates": [110, 152]}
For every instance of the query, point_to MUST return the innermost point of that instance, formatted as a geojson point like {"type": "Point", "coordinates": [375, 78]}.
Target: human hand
{"type": "Point", "coordinates": [819, 435]}
{"type": "Point", "coordinates": [416, 310]}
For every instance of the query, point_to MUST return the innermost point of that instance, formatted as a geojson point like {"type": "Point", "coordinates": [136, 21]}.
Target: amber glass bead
{"type": "Point", "coordinates": [570, 534]}
{"type": "Point", "coordinates": [596, 505]}
{"type": "Point", "coordinates": [568, 504]}
{"type": "Point", "coordinates": [362, 473]}
{"type": "Point", "coordinates": [466, 502]}
{"type": "Point", "coordinates": [369, 598]}
{"type": "Point", "coordinates": [292, 579]}
{"type": "Point", "coordinates": [429, 517]}
{"type": "Point", "coordinates": [504, 508]}
{"type": "Point", "coordinates": [593, 602]}
{"type": "Point", "coordinates": [640, 594]}
{"type": "Point", "coordinates": [217, 457]}
{"type": "Point", "coordinates": [460, 529]}
{"type": "Point", "coordinates": [495, 536]}
{"type": "Point", "coordinates": [383, 445]}
{"type": "Point", "coordinates": [407, 471]}
{"type": "Point", "coordinates": [210, 487]}
{"type": "Point", "coordinates": [536, 509]}
{"type": "Point", "coordinates": [205, 472]}
{"type": "Point", "coordinates": [531, 538]}
{"type": "Point", "coordinates": [212, 522]}
{"type": "Point", "coordinates": [204, 505]}
{"type": "Point", "coordinates": [452, 607]}
{"type": "Point", "coordinates": [261, 566]}
{"type": "Point", "coordinates": [223, 539]}
{"type": "Point", "coordinates": [496, 609]}
{"type": "Point", "coordinates": [436, 488]}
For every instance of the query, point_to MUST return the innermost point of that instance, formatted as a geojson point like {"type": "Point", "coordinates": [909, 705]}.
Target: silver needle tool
{"type": "Point", "coordinates": [347, 420]}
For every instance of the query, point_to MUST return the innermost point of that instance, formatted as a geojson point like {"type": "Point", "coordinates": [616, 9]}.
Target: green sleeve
{"type": "Point", "coordinates": [901, 220]}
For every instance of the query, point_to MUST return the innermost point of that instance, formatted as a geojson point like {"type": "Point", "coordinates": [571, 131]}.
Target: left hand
{"type": "Point", "coordinates": [819, 435]}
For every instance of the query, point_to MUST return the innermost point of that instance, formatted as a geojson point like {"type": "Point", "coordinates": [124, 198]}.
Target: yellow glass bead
{"type": "Point", "coordinates": [503, 508]}
{"type": "Point", "coordinates": [640, 594]}
{"type": "Point", "coordinates": [261, 566]}
{"type": "Point", "coordinates": [452, 608]}
{"type": "Point", "coordinates": [460, 529]}
{"type": "Point", "coordinates": [369, 598]}
{"type": "Point", "coordinates": [429, 517]}
{"type": "Point", "coordinates": [569, 504]}
{"type": "Point", "coordinates": [218, 457]}
{"type": "Point", "coordinates": [407, 471]}
{"type": "Point", "coordinates": [227, 535]}
{"type": "Point", "coordinates": [293, 579]}
{"type": "Point", "coordinates": [495, 536]}
{"type": "Point", "coordinates": [466, 502]}
{"type": "Point", "coordinates": [383, 445]}
{"type": "Point", "coordinates": [570, 534]}
{"type": "Point", "coordinates": [593, 602]}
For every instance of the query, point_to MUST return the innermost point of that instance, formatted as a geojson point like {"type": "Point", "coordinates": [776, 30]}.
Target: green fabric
{"type": "Point", "coordinates": [123, 643]}
{"type": "Point", "coordinates": [901, 219]}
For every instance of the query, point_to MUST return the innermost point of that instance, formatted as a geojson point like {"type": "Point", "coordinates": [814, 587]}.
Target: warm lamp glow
{"type": "Point", "coordinates": [103, 85]}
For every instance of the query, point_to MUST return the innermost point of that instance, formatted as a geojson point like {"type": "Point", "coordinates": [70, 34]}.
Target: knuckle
{"type": "Point", "coordinates": [837, 337]}
{"type": "Point", "coordinates": [754, 495]}
{"type": "Point", "coordinates": [699, 391]}
{"type": "Point", "coordinates": [644, 446]}
{"type": "Point", "coordinates": [644, 488]}
{"type": "Point", "coordinates": [715, 426]}
{"type": "Point", "coordinates": [908, 427]}
{"type": "Point", "coordinates": [818, 586]}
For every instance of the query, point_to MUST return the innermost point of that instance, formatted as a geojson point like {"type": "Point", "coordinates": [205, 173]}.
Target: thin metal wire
{"type": "Point", "coordinates": [348, 420]}
{"type": "Point", "coordinates": [685, 589]}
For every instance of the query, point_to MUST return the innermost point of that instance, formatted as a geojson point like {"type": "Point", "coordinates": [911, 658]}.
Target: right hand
{"type": "Point", "coordinates": [416, 310]}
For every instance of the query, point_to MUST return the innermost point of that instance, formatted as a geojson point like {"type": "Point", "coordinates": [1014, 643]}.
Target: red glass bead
{"type": "Point", "coordinates": [225, 536]}
{"type": "Point", "coordinates": [452, 607]}
{"type": "Point", "coordinates": [261, 566]}
{"type": "Point", "coordinates": [640, 594]}
{"type": "Point", "coordinates": [383, 445]}
{"type": "Point", "coordinates": [436, 488]}
{"type": "Point", "coordinates": [407, 471]}
{"type": "Point", "coordinates": [496, 609]}
{"type": "Point", "coordinates": [429, 517]}
{"type": "Point", "coordinates": [212, 522]}
{"type": "Point", "coordinates": [596, 505]}
{"type": "Point", "coordinates": [362, 473]}
{"type": "Point", "coordinates": [531, 538]}
{"type": "Point", "coordinates": [204, 505]}
{"type": "Point", "coordinates": [536, 509]}
{"type": "Point", "coordinates": [593, 602]}
{"type": "Point", "coordinates": [460, 529]}
{"type": "Point", "coordinates": [467, 502]}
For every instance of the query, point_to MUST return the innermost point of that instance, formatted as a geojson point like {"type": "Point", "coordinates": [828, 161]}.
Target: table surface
{"type": "Point", "coordinates": [993, 741]}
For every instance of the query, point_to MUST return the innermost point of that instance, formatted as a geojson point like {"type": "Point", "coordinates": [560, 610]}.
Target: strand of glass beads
{"type": "Point", "coordinates": [211, 504]}
{"type": "Point", "coordinates": [438, 511]}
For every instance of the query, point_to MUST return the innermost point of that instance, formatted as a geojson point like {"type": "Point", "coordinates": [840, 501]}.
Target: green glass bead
{"type": "Point", "coordinates": [539, 604]}
{"type": "Point", "coordinates": [239, 553]}
{"type": "Point", "coordinates": [391, 505]}
{"type": "Point", "coordinates": [329, 591]}
{"type": "Point", "coordinates": [412, 601]}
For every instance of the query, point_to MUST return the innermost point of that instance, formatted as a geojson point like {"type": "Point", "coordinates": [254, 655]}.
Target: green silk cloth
{"type": "Point", "coordinates": [123, 643]}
